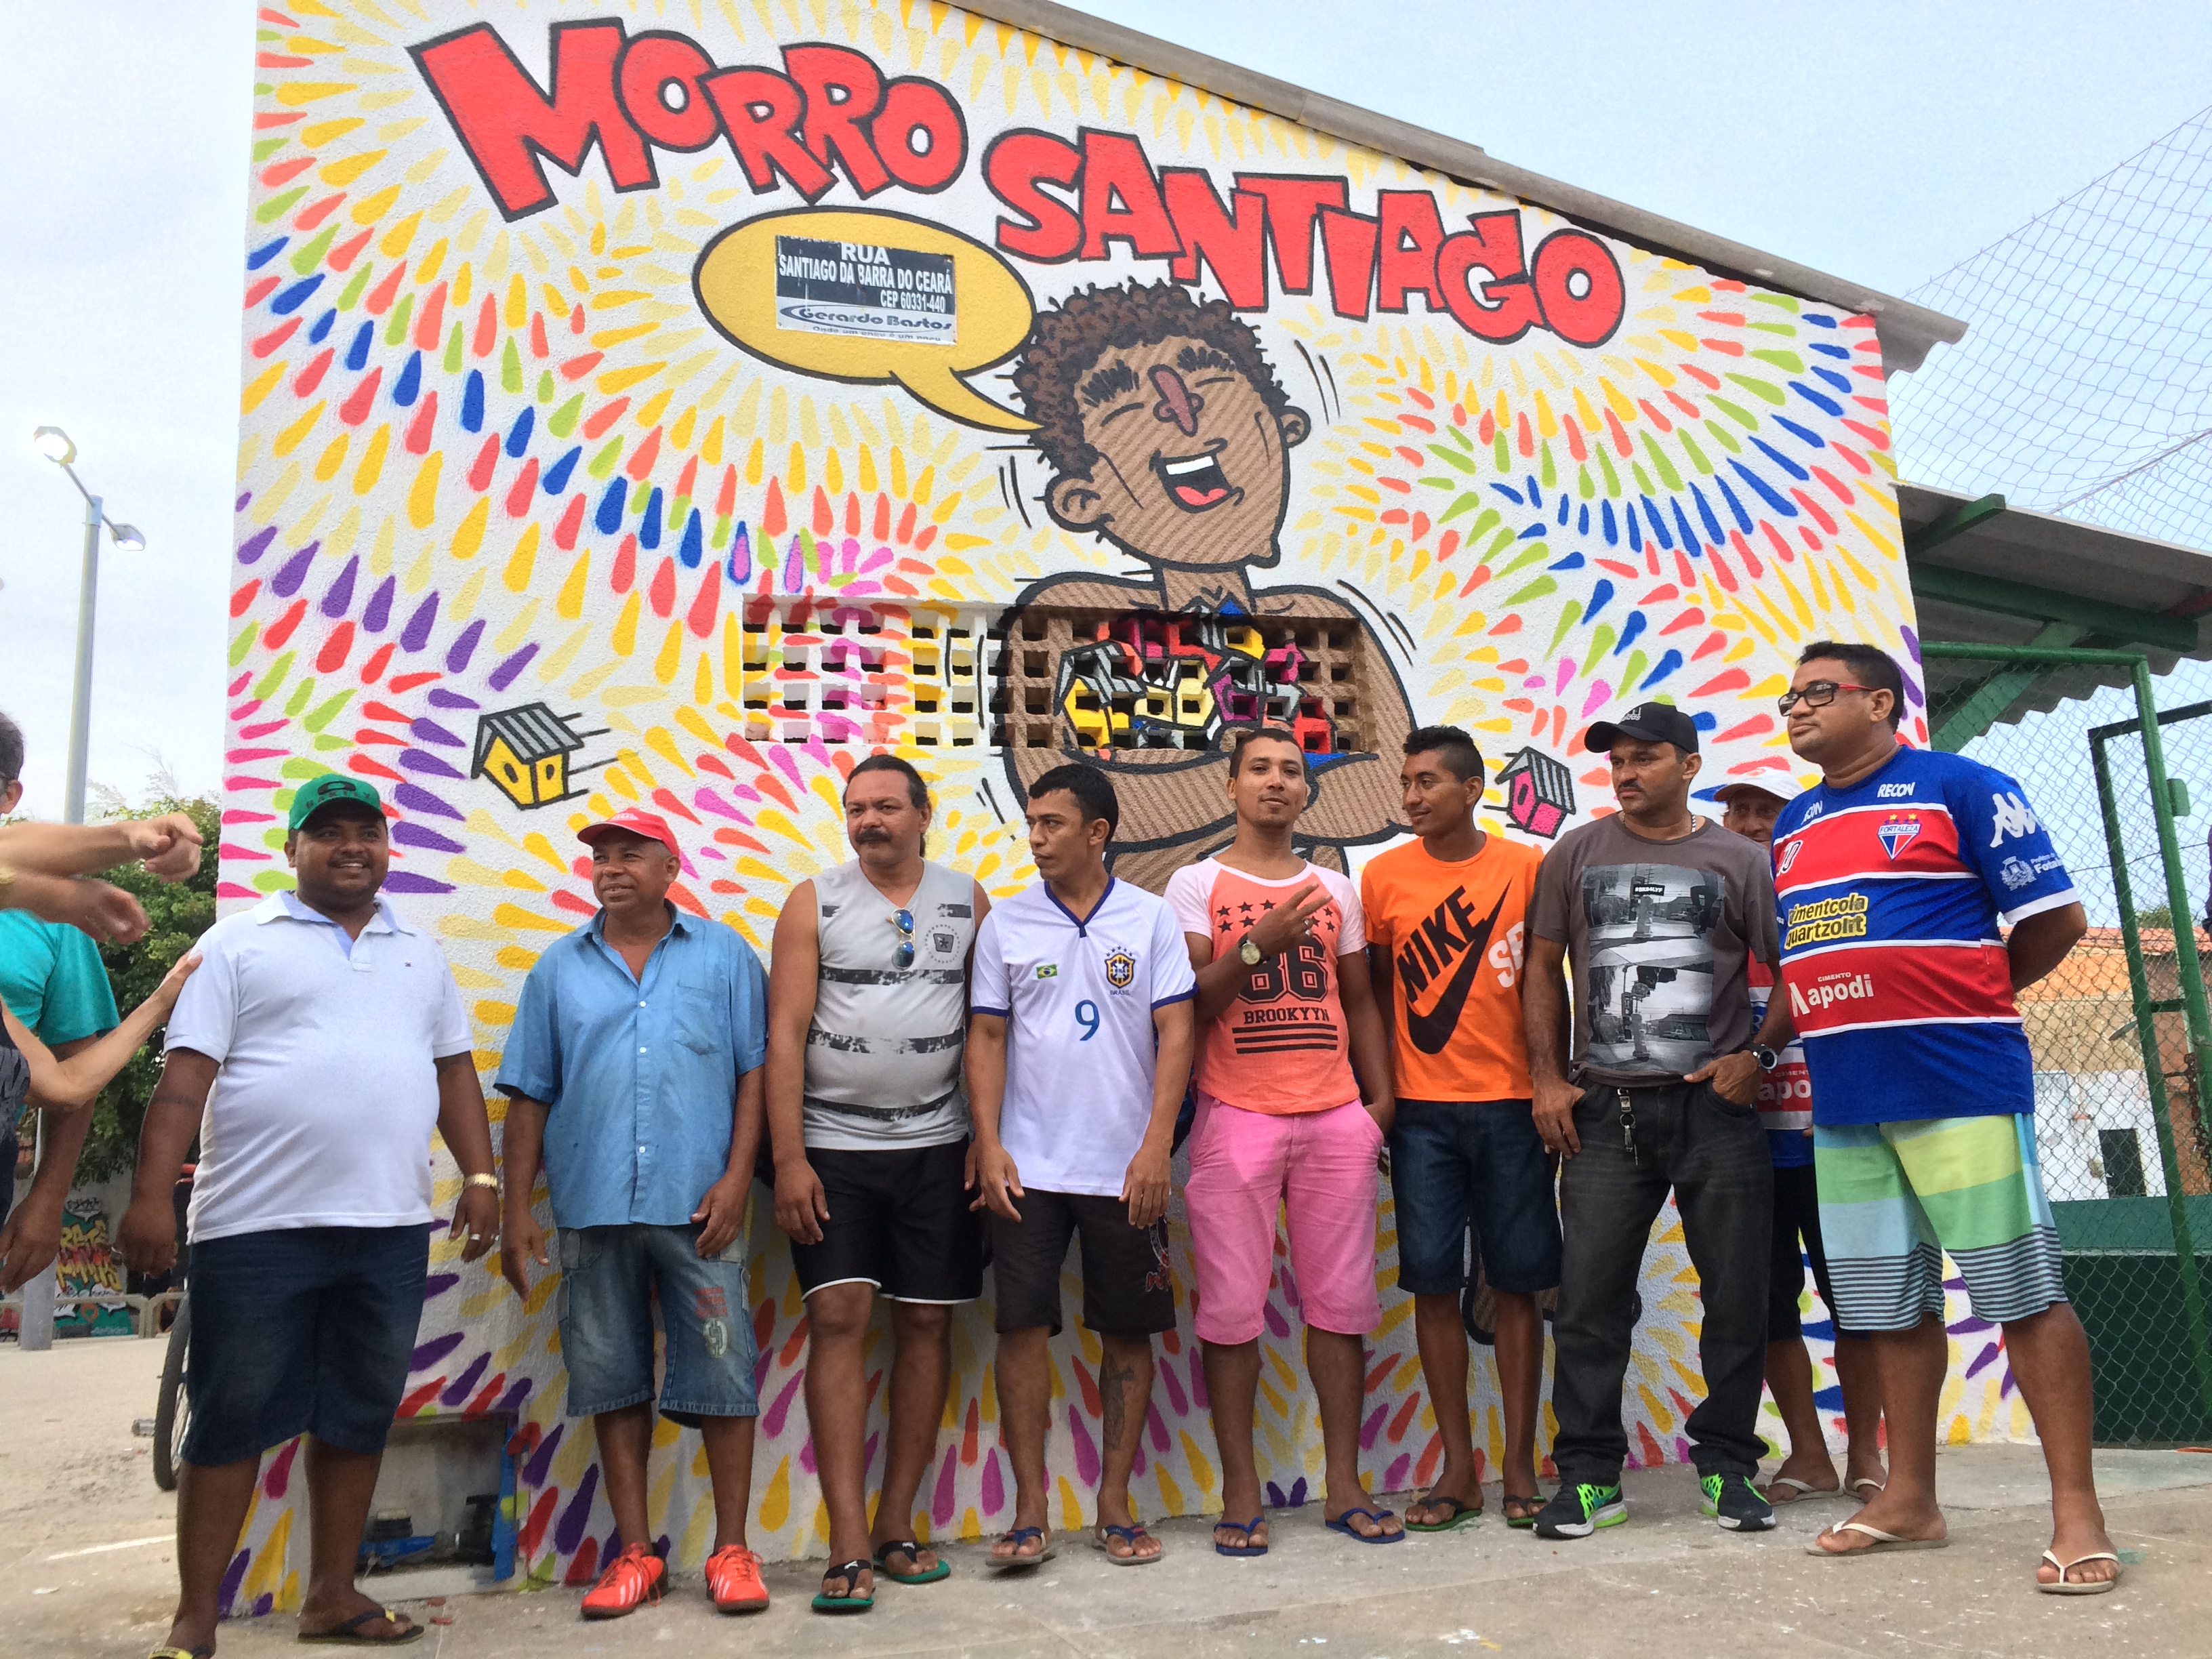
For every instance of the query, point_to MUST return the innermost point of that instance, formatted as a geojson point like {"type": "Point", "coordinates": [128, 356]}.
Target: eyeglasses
{"type": "Point", "coordinates": [1819, 695]}
{"type": "Point", "coordinates": [903, 921]}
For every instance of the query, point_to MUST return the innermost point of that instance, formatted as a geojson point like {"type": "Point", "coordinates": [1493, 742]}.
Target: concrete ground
{"type": "Point", "coordinates": [86, 1568]}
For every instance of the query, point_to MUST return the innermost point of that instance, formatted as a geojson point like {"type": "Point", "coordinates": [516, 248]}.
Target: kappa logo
{"type": "Point", "coordinates": [1897, 832]}
{"type": "Point", "coordinates": [1121, 970]}
{"type": "Point", "coordinates": [2009, 817]}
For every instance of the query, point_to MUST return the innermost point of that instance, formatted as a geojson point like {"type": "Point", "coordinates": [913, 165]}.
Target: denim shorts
{"type": "Point", "coordinates": [307, 1329]}
{"type": "Point", "coordinates": [609, 1280]}
{"type": "Point", "coordinates": [1454, 1162]}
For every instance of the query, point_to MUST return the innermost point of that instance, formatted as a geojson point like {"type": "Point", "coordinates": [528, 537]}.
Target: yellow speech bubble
{"type": "Point", "coordinates": [870, 298]}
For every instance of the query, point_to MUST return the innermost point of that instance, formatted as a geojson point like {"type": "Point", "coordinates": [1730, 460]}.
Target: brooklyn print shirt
{"type": "Point", "coordinates": [1898, 979]}
{"type": "Point", "coordinates": [1280, 1046]}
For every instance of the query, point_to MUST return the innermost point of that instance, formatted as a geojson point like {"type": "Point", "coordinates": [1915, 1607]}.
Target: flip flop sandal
{"type": "Point", "coordinates": [1462, 1515]}
{"type": "Point", "coordinates": [1343, 1524]}
{"type": "Point", "coordinates": [346, 1633]}
{"type": "Point", "coordinates": [207, 1652]}
{"type": "Point", "coordinates": [850, 1571]}
{"type": "Point", "coordinates": [1017, 1536]}
{"type": "Point", "coordinates": [1129, 1536]}
{"type": "Point", "coordinates": [1529, 1508]}
{"type": "Point", "coordinates": [1885, 1543]}
{"type": "Point", "coordinates": [1863, 1482]}
{"type": "Point", "coordinates": [2095, 1587]}
{"type": "Point", "coordinates": [911, 1548]}
{"type": "Point", "coordinates": [1248, 1548]}
{"type": "Point", "coordinates": [1800, 1490]}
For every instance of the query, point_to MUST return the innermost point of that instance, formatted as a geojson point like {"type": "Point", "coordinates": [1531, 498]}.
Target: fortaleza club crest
{"type": "Point", "coordinates": [1896, 831]}
{"type": "Point", "coordinates": [1121, 970]}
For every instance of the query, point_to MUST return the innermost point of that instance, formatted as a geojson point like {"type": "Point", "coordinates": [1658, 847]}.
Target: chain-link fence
{"type": "Point", "coordinates": [2122, 1048]}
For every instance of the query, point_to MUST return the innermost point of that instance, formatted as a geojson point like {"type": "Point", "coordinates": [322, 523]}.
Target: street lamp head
{"type": "Point", "coordinates": [54, 444]}
{"type": "Point", "coordinates": [127, 537]}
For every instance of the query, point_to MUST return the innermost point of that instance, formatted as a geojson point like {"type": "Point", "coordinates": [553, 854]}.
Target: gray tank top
{"type": "Point", "coordinates": [883, 1056]}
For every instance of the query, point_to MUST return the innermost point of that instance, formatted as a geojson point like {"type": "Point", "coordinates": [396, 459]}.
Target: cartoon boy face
{"type": "Point", "coordinates": [1193, 466]}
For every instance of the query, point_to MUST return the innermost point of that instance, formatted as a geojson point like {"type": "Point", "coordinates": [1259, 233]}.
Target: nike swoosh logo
{"type": "Point", "coordinates": [1431, 1031]}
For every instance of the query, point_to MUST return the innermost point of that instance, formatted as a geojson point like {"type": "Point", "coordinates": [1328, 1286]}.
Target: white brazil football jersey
{"type": "Point", "coordinates": [1078, 998]}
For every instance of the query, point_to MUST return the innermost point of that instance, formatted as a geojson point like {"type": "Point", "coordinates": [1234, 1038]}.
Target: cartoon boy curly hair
{"type": "Point", "coordinates": [1168, 434]}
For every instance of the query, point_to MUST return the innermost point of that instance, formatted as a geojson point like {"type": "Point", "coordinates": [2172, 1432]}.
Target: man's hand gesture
{"type": "Point", "coordinates": [994, 1180]}
{"type": "Point", "coordinates": [522, 1242]}
{"type": "Point", "coordinates": [720, 1214]}
{"type": "Point", "coordinates": [1147, 1187]}
{"type": "Point", "coordinates": [170, 845]}
{"type": "Point", "coordinates": [1291, 923]}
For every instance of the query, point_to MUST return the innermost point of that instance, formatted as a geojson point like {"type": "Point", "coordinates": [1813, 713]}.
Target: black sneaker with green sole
{"type": "Point", "coordinates": [1578, 1512]}
{"type": "Point", "coordinates": [1733, 1501]}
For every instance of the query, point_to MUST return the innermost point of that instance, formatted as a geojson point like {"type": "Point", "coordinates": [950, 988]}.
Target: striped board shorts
{"type": "Point", "coordinates": [1894, 1197]}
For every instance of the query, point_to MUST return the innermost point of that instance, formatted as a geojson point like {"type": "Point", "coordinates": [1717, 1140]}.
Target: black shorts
{"type": "Point", "coordinates": [898, 1220]}
{"type": "Point", "coordinates": [1797, 1215]}
{"type": "Point", "coordinates": [1126, 1289]}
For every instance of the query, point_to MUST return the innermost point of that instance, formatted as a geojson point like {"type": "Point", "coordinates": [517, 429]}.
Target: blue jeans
{"type": "Point", "coordinates": [1482, 1162]}
{"type": "Point", "coordinates": [610, 1278]}
{"type": "Point", "coordinates": [307, 1329]}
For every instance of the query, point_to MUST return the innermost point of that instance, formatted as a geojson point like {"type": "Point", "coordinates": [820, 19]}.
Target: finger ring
{"type": "Point", "coordinates": [475, 1238]}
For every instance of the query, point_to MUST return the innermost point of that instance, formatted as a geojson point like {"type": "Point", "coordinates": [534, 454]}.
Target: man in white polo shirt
{"type": "Point", "coordinates": [1092, 977]}
{"type": "Point", "coordinates": [317, 1047]}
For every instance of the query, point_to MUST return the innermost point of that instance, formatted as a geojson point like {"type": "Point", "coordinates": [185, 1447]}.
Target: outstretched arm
{"type": "Point", "coordinates": [72, 1084]}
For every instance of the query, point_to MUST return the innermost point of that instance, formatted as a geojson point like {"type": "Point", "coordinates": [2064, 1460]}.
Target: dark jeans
{"type": "Point", "coordinates": [1714, 1156]}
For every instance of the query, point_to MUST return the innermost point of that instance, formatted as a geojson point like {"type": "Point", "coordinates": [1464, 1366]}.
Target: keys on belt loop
{"type": "Point", "coordinates": [1627, 1125]}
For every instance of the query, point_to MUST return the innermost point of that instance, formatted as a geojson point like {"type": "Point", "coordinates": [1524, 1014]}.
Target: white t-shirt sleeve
{"type": "Point", "coordinates": [1190, 894]}
{"type": "Point", "coordinates": [989, 992]}
{"type": "Point", "coordinates": [1351, 938]}
{"type": "Point", "coordinates": [449, 1031]}
{"type": "Point", "coordinates": [205, 1017]}
{"type": "Point", "coordinates": [1172, 978]}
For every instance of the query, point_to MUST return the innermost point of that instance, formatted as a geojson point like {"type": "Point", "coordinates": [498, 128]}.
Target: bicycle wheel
{"type": "Point", "coordinates": [173, 1415]}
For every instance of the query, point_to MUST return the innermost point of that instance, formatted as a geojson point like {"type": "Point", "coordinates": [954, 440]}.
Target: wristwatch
{"type": "Point", "coordinates": [1767, 1058]}
{"type": "Point", "coordinates": [1248, 953]}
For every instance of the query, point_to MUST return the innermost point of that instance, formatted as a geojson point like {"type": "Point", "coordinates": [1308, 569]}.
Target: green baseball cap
{"type": "Point", "coordinates": [328, 790]}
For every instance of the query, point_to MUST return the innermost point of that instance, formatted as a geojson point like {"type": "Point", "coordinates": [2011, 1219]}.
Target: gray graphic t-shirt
{"type": "Point", "coordinates": [1658, 934]}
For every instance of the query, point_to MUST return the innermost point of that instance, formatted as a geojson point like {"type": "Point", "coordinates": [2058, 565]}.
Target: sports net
{"type": "Point", "coordinates": [2084, 385]}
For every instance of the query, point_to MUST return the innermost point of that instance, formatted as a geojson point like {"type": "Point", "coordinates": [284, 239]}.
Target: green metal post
{"type": "Point", "coordinates": [2193, 1009]}
{"type": "Point", "coordinates": [2184, 1246]}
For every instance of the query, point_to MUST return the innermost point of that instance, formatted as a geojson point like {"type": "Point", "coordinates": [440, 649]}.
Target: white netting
{"type": "Point", "coordinates": [2084, 383]}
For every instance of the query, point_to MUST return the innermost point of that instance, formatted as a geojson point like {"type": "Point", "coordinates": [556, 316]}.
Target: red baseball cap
{"type": "Point", "coordinates": [638, 822]}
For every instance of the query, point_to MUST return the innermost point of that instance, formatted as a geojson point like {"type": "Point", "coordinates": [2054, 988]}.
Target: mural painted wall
{"type": "Point", "coordinates": [673, 403]}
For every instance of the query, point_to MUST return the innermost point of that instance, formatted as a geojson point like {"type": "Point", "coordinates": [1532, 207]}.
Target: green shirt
{"type": "Point", "coordinates": [53, 979]}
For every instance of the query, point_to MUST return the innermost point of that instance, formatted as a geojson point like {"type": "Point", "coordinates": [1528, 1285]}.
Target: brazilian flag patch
{"type": "Point", "coordinates": [1048, 971]}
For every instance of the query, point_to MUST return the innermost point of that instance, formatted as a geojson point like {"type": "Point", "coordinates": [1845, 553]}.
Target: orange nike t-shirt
{"type": "Point", "coordinates": [1453, 935]}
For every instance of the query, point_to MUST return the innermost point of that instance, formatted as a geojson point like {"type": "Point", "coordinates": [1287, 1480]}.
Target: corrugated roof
{"type": "Point", "coordinates": [2063, 555]}
{"type": "Point", "coordinates": [1908, 331]}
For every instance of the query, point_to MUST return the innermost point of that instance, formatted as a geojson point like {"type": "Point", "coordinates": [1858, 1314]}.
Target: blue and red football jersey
{"type": "Point", "coordinates": [1891, 892]}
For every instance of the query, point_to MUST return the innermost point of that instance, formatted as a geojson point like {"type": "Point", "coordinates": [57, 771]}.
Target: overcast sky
{"type": "Point", "coordinates": [1883, 141]}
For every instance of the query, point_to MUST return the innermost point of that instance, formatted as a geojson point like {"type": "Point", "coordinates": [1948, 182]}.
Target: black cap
{"type": "Point", "coordinates": [1648, 722]}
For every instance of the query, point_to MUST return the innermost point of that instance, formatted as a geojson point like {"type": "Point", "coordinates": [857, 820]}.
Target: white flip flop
{"type": "Point", "coordinates": [1885, 1543]}
{"type": "Point", "coordinates": [1804, 1490]}
{"type": "Point", "coordinates": [2097, 1587]}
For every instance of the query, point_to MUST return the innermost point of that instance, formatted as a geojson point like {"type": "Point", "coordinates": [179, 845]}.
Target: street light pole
{"type": "Point", "coordinates": [35, 1321]}
{"type": "Point", "coordinates": [80, 698]}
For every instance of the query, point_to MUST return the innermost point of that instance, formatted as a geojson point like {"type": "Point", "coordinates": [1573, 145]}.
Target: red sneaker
{"type": "Point", "coordinates": [633, 1576]}
{"type": "Point", "coordinates": [734, 1579]}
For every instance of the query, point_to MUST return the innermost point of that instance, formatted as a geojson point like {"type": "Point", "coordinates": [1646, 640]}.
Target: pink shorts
{"type": "Point", "coordinates": [1320, 1167]}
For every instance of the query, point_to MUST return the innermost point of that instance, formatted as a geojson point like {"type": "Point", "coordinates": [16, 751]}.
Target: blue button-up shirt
{"type": "Point", "coordinates": [640, 1073]}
